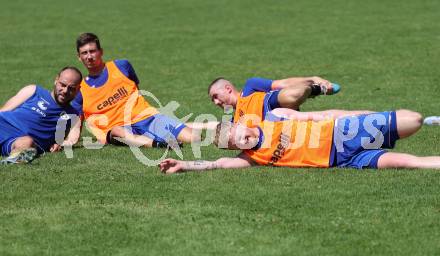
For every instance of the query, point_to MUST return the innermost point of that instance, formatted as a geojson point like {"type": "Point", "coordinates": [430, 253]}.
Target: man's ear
{"type": "Point", "coordinates": [228, 88]}
{"type": "Point", "coordinates": [56, 80]}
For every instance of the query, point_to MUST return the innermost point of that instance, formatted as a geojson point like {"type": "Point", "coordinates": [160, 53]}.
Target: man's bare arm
{"type": "Point", "coordinates": [74, 133]}
{"type": "Point", "coordinates": [24, 94]}
{"type": "Point", "coordinates": [169, 166]}
{"type": "Point", "coordinates": [72, 137]}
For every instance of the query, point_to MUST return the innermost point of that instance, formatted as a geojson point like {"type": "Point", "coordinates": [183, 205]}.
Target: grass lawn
{"type": "Point", "coordinates": [385, 55]}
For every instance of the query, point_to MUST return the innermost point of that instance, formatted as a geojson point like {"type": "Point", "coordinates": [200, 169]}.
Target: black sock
{"type": "Point", "coordinates": [159, 144]}
{"type": "Point", "coordinates": [316, 90]}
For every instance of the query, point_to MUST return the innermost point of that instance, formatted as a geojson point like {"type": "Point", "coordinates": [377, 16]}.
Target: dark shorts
{"type": "Point", "coordinates": [359, 141]}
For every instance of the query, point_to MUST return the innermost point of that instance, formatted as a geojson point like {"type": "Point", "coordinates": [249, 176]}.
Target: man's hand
{"type": "Point", "coordinates": [169, 166]}
{"type": "Point", "coordinates": [55, 148]}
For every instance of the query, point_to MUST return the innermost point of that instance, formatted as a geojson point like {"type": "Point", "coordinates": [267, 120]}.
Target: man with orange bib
{"type": "Point", "coordinates": [112, 106]}
{"type": "Point", "coordinates": [352, 140]}
{"type": "Point", "coordinates": [259, 96]}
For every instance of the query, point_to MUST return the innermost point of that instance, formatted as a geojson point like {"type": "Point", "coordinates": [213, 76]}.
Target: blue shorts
{"type": "Point", "coordinates": [8, 135]}
{"type": "Point", "coordinates": [270, 103]}
{"type": "Point", "coordinates": [6, 146]}
{"type": "Point", "coordinates": [359, 141]}
{"type": "Point", "coordinates": [158, 127]}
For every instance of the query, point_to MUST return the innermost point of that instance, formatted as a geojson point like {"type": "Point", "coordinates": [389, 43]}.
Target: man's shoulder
{"type": "Point", "coordinates": [122, 62]}
{"type": "Point", "coordinates": [257, 81]}
{"type": "Point", "coordinates": [39, 89]}
{"type": "Point", "coordinates": [256, 84]}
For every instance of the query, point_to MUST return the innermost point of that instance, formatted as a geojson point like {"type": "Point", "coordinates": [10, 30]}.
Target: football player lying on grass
{"type": "Point", "coordinates": [29, 120]}
{"type": "Point", "coordinates": [316, 139]}
{"type": "Point", "coordinates": [260, 96]}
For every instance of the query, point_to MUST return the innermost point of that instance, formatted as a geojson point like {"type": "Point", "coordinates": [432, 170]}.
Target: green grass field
{"type": "Point", "coordinates": [385, 54]}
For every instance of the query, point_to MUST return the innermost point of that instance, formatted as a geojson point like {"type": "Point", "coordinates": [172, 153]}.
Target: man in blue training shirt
{"type": "Point", "coordinates": [263, 95]}
{"type": "Point", "coordinates": [30, 120]}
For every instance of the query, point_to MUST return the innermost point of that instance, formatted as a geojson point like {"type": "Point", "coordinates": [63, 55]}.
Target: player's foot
{"type": "Point", "coordinates": [432, 120]}
{"type": "Point", "coordinates": [329, 90]}
{"type": "Point", "coordinates": [320, 89]}
{"type": "Point", "coordinates": [21, 157]}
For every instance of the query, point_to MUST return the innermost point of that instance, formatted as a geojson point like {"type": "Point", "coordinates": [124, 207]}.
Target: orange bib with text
{"type": "Point", "coordinates": [249, 109]}
{"type": "Point", "coordinates": [116, 103]}
{"type": "Point", "coordinates": [293, 143]}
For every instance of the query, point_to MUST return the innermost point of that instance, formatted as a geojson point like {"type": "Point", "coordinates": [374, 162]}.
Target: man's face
{"type": "Point", "coordinates": [90, 56]}
{"type": "Point", "coordinates": [242, 137]}
{"type": "Point", "coordinates": [221, 95]}
{"type": "Point", "coordinates": [66, 87]}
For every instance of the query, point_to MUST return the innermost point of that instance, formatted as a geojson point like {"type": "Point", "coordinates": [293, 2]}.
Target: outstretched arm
{"type": "Point", "coordinates": [169, 166]}
{"type": "Point", "coordinates": [298, 81]}
{"type": "Point", "coordinates": [24, 94]}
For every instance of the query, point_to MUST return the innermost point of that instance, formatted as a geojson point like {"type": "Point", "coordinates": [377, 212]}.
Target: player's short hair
{"type": "Point", "coordinates": [86, 38]}
{"type": "Point", "coordinates": [214, 82]}
{"type": "Point", "coordinates": [74, 69]}
{"type": "Point", "coordinates": [221, 139]}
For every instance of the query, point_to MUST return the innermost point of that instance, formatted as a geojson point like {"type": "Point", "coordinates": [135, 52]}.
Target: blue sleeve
{"type": "Point", "coordinates": [257, 84]}
{"type": "Point", "coordinates": [127, 69]}
{"type": "Point", "coordinates": [77, 103]}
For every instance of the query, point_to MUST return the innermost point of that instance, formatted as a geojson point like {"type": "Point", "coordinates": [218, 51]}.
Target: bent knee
{"type": "Point", "coordinates": [414, 117]}
{"type": "Point", "coordinates": [117, 131]}
{"type": "Point", "coordinates": [23, 142]}
{"type": "Point", "coordinates": [188, 135]}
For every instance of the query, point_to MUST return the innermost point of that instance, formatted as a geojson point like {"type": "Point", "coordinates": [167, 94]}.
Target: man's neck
{"type": "Point", "coordinates": [97, 71]}
{"type": "Point", "coordinates": [235, 98]}
{"type": "Point", "coordinates": [256, 132]}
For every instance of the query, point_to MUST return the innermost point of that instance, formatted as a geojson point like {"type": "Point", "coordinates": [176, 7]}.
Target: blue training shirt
{"type": "Point", "coordinates": [38, 117]}
{"type": "Point", "coordinates": [97, 81]}
{"type": "Point", "coordinates": [256, 84]}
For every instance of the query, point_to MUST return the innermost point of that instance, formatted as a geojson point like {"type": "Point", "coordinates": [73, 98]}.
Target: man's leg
{"type": "Point", "coordinates": [401, 160]}
{"type": "Point", "coordinates": [22, 143]}
{"type": "Point", "coordinates": [293, 97]}
{"type": "Point", "coordinates": [22, 151]}
{"type": "Point", "coordinates": [287, 113]}
{"type": "Point", "coordinates": [408, 122]}
{"type": "Point", "coordinates": [188, 135]}
{"type": "Point", "coordinates": [120, 134]}
{"type": "Point", "coordinates": [164, 129]}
